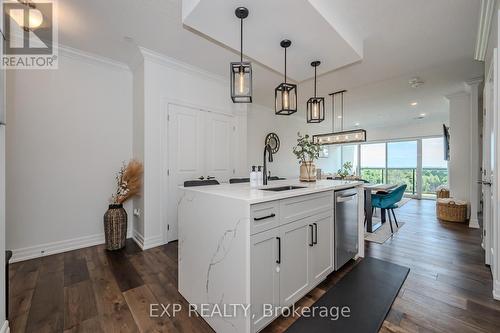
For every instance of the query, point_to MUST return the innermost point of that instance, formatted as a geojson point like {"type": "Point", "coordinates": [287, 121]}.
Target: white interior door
{"type": "Point", "coordinates": [488, 158]}
{"type": "Point", "coordinates": [186, 156]}
{"type": "Point", "coordinates": [220, 131]}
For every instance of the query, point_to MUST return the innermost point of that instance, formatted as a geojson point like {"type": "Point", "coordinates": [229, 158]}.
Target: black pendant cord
{"type": "Point", "coordinates": [315, 82]}
{"type": "Point", "coordinates": [333, 113]}
{"type": "Point", "coordinates": [342, 105]}
{"type": "Point", "coordinates": [285, 64]}
{"type": "Point", "coordinates": [241, 40]}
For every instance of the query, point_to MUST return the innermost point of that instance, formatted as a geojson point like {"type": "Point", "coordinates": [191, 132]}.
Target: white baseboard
{"type": "Point", "coordinates": [138, 239]}
{"type": "Point", "coordinates": [496, 290]}
{"type": "Point", "coordinates": [55, 247]}
{"type": "Point", "coordinates": [5, 327]}
{"type": "Point", "coordinates": [474, 224]}
{"type": "Point", "coordinates": [147, 243]}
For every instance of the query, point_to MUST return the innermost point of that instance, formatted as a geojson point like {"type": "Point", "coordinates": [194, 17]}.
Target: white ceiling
{"type": "Point", "coordinates": [269, 22]}
{"type": "Point", "coordinates": [401, 38]}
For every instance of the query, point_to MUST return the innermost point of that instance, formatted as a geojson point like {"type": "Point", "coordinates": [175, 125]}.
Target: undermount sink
{"type": "Point", "coordinates": [282, 188]}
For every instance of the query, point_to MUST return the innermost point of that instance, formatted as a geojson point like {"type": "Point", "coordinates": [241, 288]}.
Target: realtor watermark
{"type": "Point", "coordinates": [236, 310]}
{"type": "Point", "coordinates": [30, 33]}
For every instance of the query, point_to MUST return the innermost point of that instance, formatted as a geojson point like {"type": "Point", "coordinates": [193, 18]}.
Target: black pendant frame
{"type": "Point", "coordinates": [315, 111]}
{"type": "Point", "coordinates": [241, 72]}
{"type": "Point", "coordinates": [285, 95]}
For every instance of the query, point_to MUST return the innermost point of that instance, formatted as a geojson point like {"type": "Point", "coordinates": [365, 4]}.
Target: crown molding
{"type": "Point", "coordinates": [179, 65]}
{"type": "Point", "coordinates": [83, 55]}
{"type": "Point", "coordinates": [484, 27]}
{"type": "Point", "coordinates": [474, 81]}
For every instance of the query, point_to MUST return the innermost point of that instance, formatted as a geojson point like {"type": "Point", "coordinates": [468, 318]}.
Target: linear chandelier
{"type": "Point", "coordinates": [341, 137]}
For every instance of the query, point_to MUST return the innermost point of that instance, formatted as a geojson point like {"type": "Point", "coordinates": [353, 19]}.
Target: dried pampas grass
{"type": "Point", "coordinates": [129, 182]}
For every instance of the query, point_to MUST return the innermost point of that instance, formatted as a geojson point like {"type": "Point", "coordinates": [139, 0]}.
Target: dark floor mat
{"type": "Point", "coordinates": [368, 290]}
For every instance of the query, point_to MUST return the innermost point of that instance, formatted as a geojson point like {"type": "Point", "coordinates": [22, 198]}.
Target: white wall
{"type": "Point", "coordinates": [262, 121]}
{"type": "Point", "coordinates": [2, 221]}
{"type": "Point", "coordinates": [459, 164]}
{"type": "Point", "coordinates": [69, 131]}
{"type": "Point", "coordinates": [166, 80]}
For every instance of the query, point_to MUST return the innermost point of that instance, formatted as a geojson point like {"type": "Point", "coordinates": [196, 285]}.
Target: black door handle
{"type": "Point", "coordinates": [279, 250]}
{"type": "Point", "coordinates": [201, 178]}
{"type": "Point", "coordinates": [315, 233]}
{"type": "Point", "coordinates": [312, 235]}
{"type": "Point", "coordinates": [210, 177]}
{"type": "Point", "coordinates": [264, 217]}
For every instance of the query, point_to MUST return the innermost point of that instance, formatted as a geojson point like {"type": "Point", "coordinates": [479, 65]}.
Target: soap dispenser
{"type": "Point", "coordinates": [260, 176]}
{"type": "Point", "coordinates": [253, 178]}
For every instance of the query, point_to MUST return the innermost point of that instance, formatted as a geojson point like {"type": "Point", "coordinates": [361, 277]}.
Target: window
{"type": "Point", "coordinates": [394, 162]}
{"type": "Point", "coordinates": [434, 167]}
{"type": "Point", "coordinates": [402, 164]}
{"type": "Point", "coordinates": [372, 165]}
{"type": "Point", "coordinates": [350, 154]}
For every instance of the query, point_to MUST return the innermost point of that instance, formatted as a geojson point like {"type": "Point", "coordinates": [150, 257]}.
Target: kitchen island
{"type": "Point", "coordinates": [245, 253]}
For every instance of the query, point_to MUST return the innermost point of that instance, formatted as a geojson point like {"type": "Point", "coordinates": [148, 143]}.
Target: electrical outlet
{"type": "Point", "coordinates": [137, 212]}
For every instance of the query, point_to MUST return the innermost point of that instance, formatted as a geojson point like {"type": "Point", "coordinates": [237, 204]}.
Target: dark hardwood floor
{"type": "Point", "coordinates": [90, 290]}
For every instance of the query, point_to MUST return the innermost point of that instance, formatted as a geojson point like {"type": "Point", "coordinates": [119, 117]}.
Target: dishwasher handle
{"type": "Point", "coordinates": [347, 197]}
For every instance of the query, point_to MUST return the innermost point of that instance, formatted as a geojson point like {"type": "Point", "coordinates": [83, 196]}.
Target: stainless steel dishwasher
{"type": "Point", "coordinates": [346, 226]}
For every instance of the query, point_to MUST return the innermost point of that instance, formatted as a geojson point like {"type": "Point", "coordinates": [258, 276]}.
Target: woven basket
{"type": "Point", "coordinates": [451, 210]}
{"type": "Point", "coordinates": [443, 193]}
{"type": "Point", "coordinates": [115, 227]}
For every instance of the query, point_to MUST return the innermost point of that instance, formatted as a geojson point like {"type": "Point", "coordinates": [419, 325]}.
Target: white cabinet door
{"type": "Point", "coordinates": [264, 276]}
{"type": "Point", "coordinates": [321, 253]}
{"type": "Point", "coordinates": [186, 144]}
{"type": "Point", "coordinates": [294, 268]}
{"type": "Point", "coordinates": [219, 150]}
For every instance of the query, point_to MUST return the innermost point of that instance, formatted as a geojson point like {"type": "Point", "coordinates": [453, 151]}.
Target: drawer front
{"type": "Point", "coordinates": [297, 208]}
{"type": "Point", "coordinates": [264, 216]}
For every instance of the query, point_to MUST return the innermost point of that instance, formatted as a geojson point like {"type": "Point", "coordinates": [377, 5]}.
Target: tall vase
{"type": "Point", "coordinates": [115, 227]}
{"type": "Point", "coordinates": [307, 172]}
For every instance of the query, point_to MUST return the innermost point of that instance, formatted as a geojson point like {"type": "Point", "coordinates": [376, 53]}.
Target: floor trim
{"type": "Point", "coordinates": [5, 328]}
{"type": "Point", "coordinates": [474, 223]}
{"type": "Point", "coordinates": [496, 290]}
{"type": "Point", "coordinates": [42, 250]}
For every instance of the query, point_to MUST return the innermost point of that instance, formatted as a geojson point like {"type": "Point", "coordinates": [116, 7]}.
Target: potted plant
{"type": "Point", "coordinates": [307, 152]}
{"type": "Point", "coordinates": [128, 184]}
{"type": "Point", "coordinates": [346, 170]}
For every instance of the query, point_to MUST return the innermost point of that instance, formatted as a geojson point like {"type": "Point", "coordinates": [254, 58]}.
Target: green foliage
{"type": "Point", "coordinates": [306, 150]}
{"type": "Point", "coordinates": [345, 171]}
{"type": "Point", "coordinates": [431, 178]}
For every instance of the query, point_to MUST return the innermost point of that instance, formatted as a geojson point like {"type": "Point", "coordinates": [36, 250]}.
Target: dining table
{"type": "Point", "coordinates": [369, 190]}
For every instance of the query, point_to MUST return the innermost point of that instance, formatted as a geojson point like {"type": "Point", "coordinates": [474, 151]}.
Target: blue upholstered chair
{"type": "Point", "coordinates": [389, 201]}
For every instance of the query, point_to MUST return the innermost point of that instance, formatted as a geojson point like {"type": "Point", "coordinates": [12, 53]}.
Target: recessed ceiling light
{"type": "Point", "coordinates": [414, 103]}
{"type": "Point", "coordinates": [356, 124]}
{"type": "Point", "coordinates": [422, 115]}
{"type": "Point", "coordinates": [340, 117]}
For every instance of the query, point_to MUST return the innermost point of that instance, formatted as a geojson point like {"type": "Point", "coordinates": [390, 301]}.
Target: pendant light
{"type": "Point", "coordinates": [342, 137]}
{"type": "Point", "coordinates": [285, 95]}
{"type": "Point", "coordinates": [241, 72]}
{"type": "Point", "coordinates": [315, 105]}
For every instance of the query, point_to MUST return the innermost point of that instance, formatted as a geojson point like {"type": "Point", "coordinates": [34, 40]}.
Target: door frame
{"type": "Point", "coordinates": [488, 113]}
{"type": "Point", "coordinates": [165, 196]}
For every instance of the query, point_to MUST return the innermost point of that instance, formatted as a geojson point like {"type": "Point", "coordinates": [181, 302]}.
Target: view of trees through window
{"type": "Point", "coordinates": [397, 162]}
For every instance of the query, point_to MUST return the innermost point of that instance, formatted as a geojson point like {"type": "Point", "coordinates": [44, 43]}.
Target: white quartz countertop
{"type": "Point", "coordinates": [244, 192]}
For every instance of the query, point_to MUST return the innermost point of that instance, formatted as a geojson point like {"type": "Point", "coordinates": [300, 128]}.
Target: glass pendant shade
{"type": "Point", "coordinates": [241, 82]}
{"type": "Point", "coordinates": [285, 95]}
{"type": "Point", "coordinates": [315, 110]}
{"type": "Point", "coordinates": [241, 72]}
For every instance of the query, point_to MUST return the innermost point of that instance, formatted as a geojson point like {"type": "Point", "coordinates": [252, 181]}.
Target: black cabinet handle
{"type": "Point", "coordinates": [264, 217]}
{"type": "Point", "coordinates": [279, 250]}
{"type": "Point", "coordinates": [315, 233]}
{"type": "Point", "coordinates": [312, 235]}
